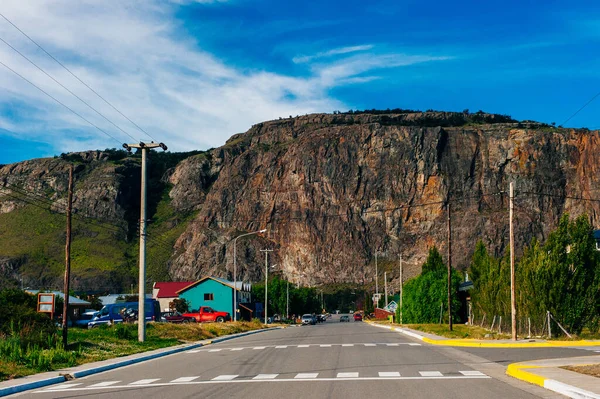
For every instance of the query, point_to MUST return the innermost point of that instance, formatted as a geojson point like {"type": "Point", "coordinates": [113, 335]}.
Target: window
{"type": "Point", "coordinates": [209, 297]}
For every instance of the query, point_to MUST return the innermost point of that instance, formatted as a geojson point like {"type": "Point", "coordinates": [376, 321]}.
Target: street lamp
{"type": "Point", "coordinates": [235, 269]}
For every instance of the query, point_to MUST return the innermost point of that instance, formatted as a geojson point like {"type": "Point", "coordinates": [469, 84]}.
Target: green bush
{"type": "Point", "coordinates": [125, 331]}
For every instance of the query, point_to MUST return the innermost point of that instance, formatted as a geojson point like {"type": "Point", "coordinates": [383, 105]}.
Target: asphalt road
{"type": "Point", "coordinates": [329, 360]}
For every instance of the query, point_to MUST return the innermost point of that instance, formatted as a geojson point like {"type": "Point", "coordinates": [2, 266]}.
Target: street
{"type": "Point", "coordinates": [328, 360]}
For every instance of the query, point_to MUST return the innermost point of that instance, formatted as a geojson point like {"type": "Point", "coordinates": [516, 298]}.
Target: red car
{"type": "Point", "coordinates": [357, 317]}
{"type": "Point", "coordinates": [176, 317]}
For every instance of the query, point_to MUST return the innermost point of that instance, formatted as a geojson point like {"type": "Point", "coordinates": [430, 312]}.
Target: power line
{"type": "Point", "coordinates": [76, 77]}
{"type": "Point", "coordinates": [561, 196]}
{"type": "Point", "coordinates": [585, 105]}
{"type": "Point", "coordinates": [37, 87]}
{"type": "Point", "coordinates": [64, 87]}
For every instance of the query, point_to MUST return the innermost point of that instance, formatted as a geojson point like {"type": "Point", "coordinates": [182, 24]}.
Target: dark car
{"type": "Point", "coordinates": [176, 317]}
{"type": "Point", "coordinates": [357, 317]}
{"type": "Point", "coordinates": [345, 318]}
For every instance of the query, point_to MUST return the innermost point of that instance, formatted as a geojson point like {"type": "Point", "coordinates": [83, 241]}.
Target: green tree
{"type": "Point", "coordinates": [181, 305]}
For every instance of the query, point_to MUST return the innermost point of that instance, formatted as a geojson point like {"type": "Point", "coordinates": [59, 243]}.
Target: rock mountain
{"type": "Point", "coordinates": [331, 190]}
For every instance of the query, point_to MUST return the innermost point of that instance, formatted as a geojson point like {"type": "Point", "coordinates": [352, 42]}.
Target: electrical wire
{"type": "Point", "coordinates": [49, 95]}
{"type": "Point", "coordinates": [76, 77]}
{"type": "Point", "coordinates": [580, 109]}
{"type": "Point", "coordinates": [67, 89]}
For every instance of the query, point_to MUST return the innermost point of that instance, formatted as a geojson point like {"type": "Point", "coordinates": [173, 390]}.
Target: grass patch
{"type": "Point", "coordinates": [107, 342]}
{"type": "Point", "coordinates": [459, 331]}
{"type": "Point", "coordinates": [590, 369]}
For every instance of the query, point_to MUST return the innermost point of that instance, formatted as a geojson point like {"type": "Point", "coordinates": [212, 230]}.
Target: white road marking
{"type": "Point", "coordinates": [471, 372]}
{"type": "Point", "coordinates": [193, 351]}
{"type": "Point", "coordinates": [303, 346]}
{"type": "Point", "coordinates": [347, 344]}
{"type": "Point", "coordinates": [325, 346]}
{"type": "Point", "coordinates": [302, 377]}
{"type": "Point", "coordinates": [387, 374]}
{"type": "Point", "coordinates": [258, 347]}
{"type": "Point", "coordinates": [347, 375]}
{"type": "Point", "coordinates": [306, 375]}
{"type": "Point", "coordinates": [145, 382]}
{"type": "Point", "coordinates": [67, 385]}
{"type": "Point", "coordinates": [215, 350]}
{"type": "Point", "coordinates": [281, 346]}
{"type": "Point", "coordinates": [265, 376]}
{"type": "Point", "coordinates": [370, 344]}
{"type": "Point", "coordinates": [392, 344]}
{"type": "Point", "coordinates": [104, 384]}
{"type": "Point", "coordinates": [185, 379]}
{"type": "Point", "coordinates": [430, 374]}
{"type": "Point", "coordinates": [237, 349]}
{"type": "Point", "coordinates": [225, 377]}
{"type": "Point", "coordinates": [415, 344]}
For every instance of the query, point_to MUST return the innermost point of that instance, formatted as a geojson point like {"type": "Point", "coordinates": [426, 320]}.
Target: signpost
{"type": "Point", "coordinates": [46, 303]}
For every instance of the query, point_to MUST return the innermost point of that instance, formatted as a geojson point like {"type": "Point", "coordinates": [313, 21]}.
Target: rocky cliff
{"type": "Point", "coordinates": [332, 190]}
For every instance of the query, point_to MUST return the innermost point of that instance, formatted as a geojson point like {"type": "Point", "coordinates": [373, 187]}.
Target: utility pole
{"type": "Point", "coordinates": [266, 251]}
{"type": "Point", "coordinates": [513, 306]}
{"type": "Point", "coordinates": [449, 267]}
{"type": "Point", "coordinates": [142, 275]}
{"type": "Point", "coordinates": [287, 301]}
{"type": "Point", "coordinates": [65, 318]}
{"type": "Point", "coordinates": [385, 288]}
{"type": "Point", "coordinates": [401, 287]}
{"type": "Point", "coordinates": [376, 283]}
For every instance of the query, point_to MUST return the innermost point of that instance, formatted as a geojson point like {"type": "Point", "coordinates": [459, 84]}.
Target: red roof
{"type": "Point", "coordinates": [169, 289]}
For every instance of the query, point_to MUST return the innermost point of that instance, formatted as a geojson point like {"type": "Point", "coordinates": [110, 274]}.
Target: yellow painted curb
{"type": "Point", "coordinates": [516, 370]}
{"type": "Point", "coordinates": [521, 344]}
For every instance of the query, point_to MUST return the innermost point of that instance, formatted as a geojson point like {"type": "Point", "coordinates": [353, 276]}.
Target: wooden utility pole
{"type": "Point", "coordinates": [65, 318]}
{"type": "Point", "coordinates": [385, 288]}
{"type": "Point", "coordinates": [266, 251]}
{"type": "Point", "coordinates": [513, 306]}
{"type": "Point", "coordinates": [449, 268]}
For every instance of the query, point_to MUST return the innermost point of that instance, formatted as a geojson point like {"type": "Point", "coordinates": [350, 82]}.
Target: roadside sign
{"type": "Point", "coordinates": [376, 298]}
{"type": "Point", "coordinates": [46, 303]}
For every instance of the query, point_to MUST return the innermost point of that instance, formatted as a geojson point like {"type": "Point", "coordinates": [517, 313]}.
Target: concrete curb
{"type": "Point", "coordinates": [518, 371]}
{"type": "Point", "coordinates": [478, 344]}
{"type": "Point", "coordinates": [63, 376]}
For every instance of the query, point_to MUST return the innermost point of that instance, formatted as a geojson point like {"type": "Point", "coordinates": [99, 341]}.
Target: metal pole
{"type": "Point", "coordinates": [385, 288]}
{"type": "Point", "coordinates": [449, 269]}
{"type": "Point", "coordinates": [287, 301]}
{"type": "Point", "coordinates": [234, 280]}
{"type": "Point", "coordinates": [67, 261]}
{"type": "Point", "coordinates": [142, 277]}
{"type": "Point", "coordinates": [401, 288]}
{"type": "Point", "coordinates": [513, 305]}
{"type": "Point", "coordinates": [376, 283]}
{"type": "Point", "coordinates": [266, 251]}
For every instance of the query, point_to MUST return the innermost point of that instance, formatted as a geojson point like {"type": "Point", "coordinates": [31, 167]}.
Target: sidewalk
{"type": "Point", "coordinates": [54, 377]}
{"type": "Point", "coordinates": [545, 373]}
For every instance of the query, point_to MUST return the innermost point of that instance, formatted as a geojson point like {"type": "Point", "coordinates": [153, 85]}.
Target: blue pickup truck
{"type": "Point", "coordinates": [115, 313]}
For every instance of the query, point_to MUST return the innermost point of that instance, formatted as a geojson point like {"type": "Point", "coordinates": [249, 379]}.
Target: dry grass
{"type": "Point", "coordinates": [590, 369]}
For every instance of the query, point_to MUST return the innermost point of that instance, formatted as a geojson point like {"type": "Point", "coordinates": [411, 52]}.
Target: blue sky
{"type": "Point", "coordinates": [192, 73]}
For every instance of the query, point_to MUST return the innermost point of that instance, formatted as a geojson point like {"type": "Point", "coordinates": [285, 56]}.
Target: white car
{"type": "Point", "coordinates": [308, 319]}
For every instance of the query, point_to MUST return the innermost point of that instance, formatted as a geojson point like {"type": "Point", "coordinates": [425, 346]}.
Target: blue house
{"type": "Point", "coordinates": [216, 293]}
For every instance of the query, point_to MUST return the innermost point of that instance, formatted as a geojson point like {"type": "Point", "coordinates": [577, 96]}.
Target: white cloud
{"type": "Point", "coordinates": [136, 55]}
{"type": "Point", "coordinates": [336, 51]}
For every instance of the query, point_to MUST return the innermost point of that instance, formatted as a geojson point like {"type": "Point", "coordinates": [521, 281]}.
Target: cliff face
{"type": "Point", "coordinates": [333, 189]}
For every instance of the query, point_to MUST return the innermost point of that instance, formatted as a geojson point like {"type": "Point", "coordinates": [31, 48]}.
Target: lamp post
{"type": "Point", "coordinates": [235, 269]}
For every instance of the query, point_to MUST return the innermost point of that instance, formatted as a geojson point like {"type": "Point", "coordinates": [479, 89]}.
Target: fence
{"type": "Point", "coordinates": [535, 326]}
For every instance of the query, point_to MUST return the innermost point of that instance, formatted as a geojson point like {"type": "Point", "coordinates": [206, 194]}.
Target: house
{"type": "Point", "coordinates": [218, 294]}
{"type": "Point", "coordinates": [165, 292]}
{"type": "Point", "coordinates": [76, 306]}
{"type": "Point", "coordinates": [114, 298]}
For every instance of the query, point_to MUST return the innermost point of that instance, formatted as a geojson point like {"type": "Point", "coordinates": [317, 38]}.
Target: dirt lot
{"type": "Point", "coordinates": [592, 369]}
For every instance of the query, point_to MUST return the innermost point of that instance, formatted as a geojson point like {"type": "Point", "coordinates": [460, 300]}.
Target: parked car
{"type": "Point", "coordinates": [345, 318]}
{"type": "Point", "coordinates": [357, 317]}
{"type": "Point", "coordinates": [308, 319]}
{"type": "Point", "coordinates": [207, 314]}
{"type": "Point", "coordinates": [119, 312]}
{"type": "Point", "coordinates": [85, 318]}
{"type": "Point", "coordinates": [176, 317]}
{"type": "Point", "coordinates": [321, 318]}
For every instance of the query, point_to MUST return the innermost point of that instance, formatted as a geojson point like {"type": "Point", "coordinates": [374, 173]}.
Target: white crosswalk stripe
{"type": "Point", "coordinates": [237, 349]}
{"type": "Point", "coordinates": [65, 386]}
{"type": "Point", "coordinates": [306, 375]}
{"type": "Point", "coordinates": [370, 344]}
{"type": "Point", "coordinates": [225, 377]}
{"type": "Point", "coordinates": [185, 379]}
{"type": "Point", "coordinates": [258, 347]}
{"type": "Point", "coordinates": [347, 344]}
{"type": "Point", "coordinates": [281, 346]}
{"type": "Point", "coordinates": [387, 374]}
{"type": "Point", "coordinates": [104, 384]}
{"type": "Point", "coordinates": [471, 373]}
{"type": "Point", "coordinates": [145, 382]}
{"type": "Point", "coordinates": [430, 374]}
{"type": "Point", "coordinates": [325, 346]}
{"type": "Point", "coordinates": [392, 344]}
{"type": "Point", "coordinates": [347, 375]}
{"type": "Point", "coordinates": [215, 350]}
{"type": "Point", "coordinates": [265, 376]}
{"type": "Point", "coordinates": [303, 346]}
